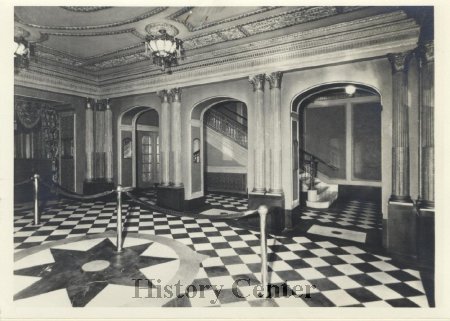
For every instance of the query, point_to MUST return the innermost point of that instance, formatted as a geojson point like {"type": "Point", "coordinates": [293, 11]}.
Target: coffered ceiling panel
{"type": "Point", "coordinates": [96, 39]}
{"type": "Point", "coordinates": [61, 18]}
{"type": "Point", "coordinates": [84, 47]}
{"type": "Point", "coordinates": [202, 17]}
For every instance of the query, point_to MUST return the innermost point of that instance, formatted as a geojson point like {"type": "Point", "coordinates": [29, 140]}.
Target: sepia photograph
{"type": "Point", "coordinates": [233, 155]}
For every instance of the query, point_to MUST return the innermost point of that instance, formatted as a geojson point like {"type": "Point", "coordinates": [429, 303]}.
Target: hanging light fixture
{"type": "Point", "coordinates": [165, 49]}
{"type": "Point", "coordinates": [23, 50]}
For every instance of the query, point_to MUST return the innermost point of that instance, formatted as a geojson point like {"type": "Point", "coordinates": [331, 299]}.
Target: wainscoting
{"type": "Point", "coordinates": [226, 182]}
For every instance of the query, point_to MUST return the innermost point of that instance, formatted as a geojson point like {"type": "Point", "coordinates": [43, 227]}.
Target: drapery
{"type": "Point", "coordinates": [30, 113]}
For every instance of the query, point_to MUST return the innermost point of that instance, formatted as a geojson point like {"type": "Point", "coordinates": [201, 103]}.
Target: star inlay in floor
{"type": "Point", "coordinates": [83, 271]}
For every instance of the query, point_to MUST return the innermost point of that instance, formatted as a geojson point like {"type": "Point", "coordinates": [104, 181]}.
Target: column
{"type": "Point", "coordinates": [176, 136]}
{"type": "Point", "coordinates": [108, 142]}
{"type": "Point", "coordinates": [258, 88]}
{"type": "Point", "coordinates": [427, 124]}
{"type": "Point", "coordinates": [400, 127]}
{"type": "Point", "coordinates": [164, 135]}
{"type": "Point", "coordinates": [274, 80]}
{"type": "Point", "coordinates": [89, 141]}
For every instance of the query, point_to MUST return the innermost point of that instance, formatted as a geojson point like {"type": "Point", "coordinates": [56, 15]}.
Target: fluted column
{"type": "Point", "coordinates": [400, 127]}
{"type": "Point", "coordinates": [427, 124]}
{"type": "Point", "coordinates": [108, 142]}
{"type": "Point", "coordinates": [164, 133]}
{"type": "Point", "coordinates": [274, 80]}
{"type": "Point", "coordinates": [89, 141]}
{"type": "Point", "coordinates": [258, 88]}
{"type": "Point", "coordinates": [176, 135]}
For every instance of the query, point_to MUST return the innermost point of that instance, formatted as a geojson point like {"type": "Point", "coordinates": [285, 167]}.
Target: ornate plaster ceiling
{"type": "Point", "coordinates": [98, 38]}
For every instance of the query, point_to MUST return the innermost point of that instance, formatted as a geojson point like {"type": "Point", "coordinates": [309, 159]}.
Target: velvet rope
{"type": "Point", "coordinates": [26, 181]}
{"type": "Point", "coordinates": [163, 210]}
{"type": "Point", "coordinates": [63, 191]}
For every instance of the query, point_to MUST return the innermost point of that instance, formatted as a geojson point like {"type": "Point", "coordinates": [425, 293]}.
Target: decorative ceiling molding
{"type": "Point", "coordinates": [275, 22]}
{"type": "Point", "coordinates": [85, 9]}
{"type": "Point", "coordinates": [300, 15]}
{"type": "Point", "coordinates": [154, 28]}
{"type": "Point", "coordinates": [48, 81]}
{"type": "Point", "coordinates": [89, 34]}
{"type": "Point", "coordinates": [315, 44]}
{"type": "Point", "coordinates": [143, 16]}
{"type": "Point", "coordinates": [372, 41]}
{"type": "Point", "coordinates": [192, 28]}
{"type": "Point", "coordinates": [390, 20]}
{"type": "Point", "coordinates": [313, 57]}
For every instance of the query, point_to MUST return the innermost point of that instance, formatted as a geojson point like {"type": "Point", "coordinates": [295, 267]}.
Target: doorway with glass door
{"type": "Point", "coordinates": [148, 159]}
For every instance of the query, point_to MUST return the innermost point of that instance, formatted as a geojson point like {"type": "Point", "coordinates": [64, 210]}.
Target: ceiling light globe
{"type": "Point", "coordinates": [350, 89]}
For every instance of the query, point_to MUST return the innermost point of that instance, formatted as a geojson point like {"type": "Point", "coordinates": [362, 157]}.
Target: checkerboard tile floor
{"type": "Point", "coordinates": [227, 202]}
{"type": "Point", "coordinates": [311, 272]}
{"type": "Point", "coordinates": [351, 214]}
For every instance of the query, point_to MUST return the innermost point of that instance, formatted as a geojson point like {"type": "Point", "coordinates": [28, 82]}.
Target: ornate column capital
{"type": "Point", "coordinates": [175, 93]}
{"type": "Point", "coordinates": [274, 79]}
{"type": "Point", "coordinates": [257, 82]}
{"type": "Point", "coordinates": [399, 61]}
{"type": "Point", "coordinates": [426, 52]}
{"type": "Point", "coordinates": [108, 106]}
{"type": "Point", "coordinates": [163, 95]}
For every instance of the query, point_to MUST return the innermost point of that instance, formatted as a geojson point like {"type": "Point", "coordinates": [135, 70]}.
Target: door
{"type": "Point", "coordinates": [148, 159]}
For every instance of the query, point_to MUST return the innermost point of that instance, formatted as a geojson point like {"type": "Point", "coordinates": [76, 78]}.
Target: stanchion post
{"type": "Point", "coordinates": [36, 198]}
{"type": "Point", "coordinates": [119, 218]}
{"type": "Point", "coordinates": [263, 210]}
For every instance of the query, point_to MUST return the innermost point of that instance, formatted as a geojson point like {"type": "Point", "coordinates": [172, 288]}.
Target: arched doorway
{"type": "Point", "coordinates": [219, 147]}
{"type": "Point", "coordinates": [138, 147]}
{"type": "Point", "coordinates": [337, 148]}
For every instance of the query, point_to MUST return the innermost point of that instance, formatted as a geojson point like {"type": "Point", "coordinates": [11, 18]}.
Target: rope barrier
{"type": "Point", "coordinates": [262, 211]}
{"type": "Point", "coordinates": [63, 191]}
{"type": "Point", "coordinates": [228, 216]}
{"type": "Point", "coordinates": [26, 181]}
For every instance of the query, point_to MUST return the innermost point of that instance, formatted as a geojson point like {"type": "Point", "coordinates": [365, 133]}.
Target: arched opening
{"type": "Point", "coordinates": [219, 146]}
{"type": "Point", "coordinates": [138, 147]}
{"type": "Point", "coordinates": [337, 148]}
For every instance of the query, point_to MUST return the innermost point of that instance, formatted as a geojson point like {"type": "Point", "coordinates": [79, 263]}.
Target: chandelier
{"type": "Point", "coordinates": [165, 49]}
{"type": "Point", "coordinates": [23, 50]}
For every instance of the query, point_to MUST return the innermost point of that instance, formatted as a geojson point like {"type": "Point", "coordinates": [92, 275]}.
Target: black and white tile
{"type": "Point", "coordinates": [334, 273]}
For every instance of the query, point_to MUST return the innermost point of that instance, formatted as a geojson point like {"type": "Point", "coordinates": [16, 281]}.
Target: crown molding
{"type": "Point", "coordinates": [340, 52]}
{"type": "Point", "coordinates": [366, 38]}
{"type": "Point", "coordinates": [302, 40]}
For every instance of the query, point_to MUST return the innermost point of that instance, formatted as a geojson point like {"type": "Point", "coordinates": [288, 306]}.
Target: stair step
{"type": "Point", "coordinates": [325, 200]}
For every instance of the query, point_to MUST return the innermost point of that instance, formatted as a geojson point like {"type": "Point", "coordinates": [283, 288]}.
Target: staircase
{"type": "Point", "coordinates": [319, 193]}
{"type": "Point", "coordinates": [228, 127]}
{"type": "Point", "coordinates": [226, 147]}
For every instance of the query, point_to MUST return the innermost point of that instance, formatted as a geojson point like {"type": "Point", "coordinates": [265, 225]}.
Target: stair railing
{"type": "Point", "coordinates": [227, 127]}
{"type": "Point", "coordinates": [310, 163]}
